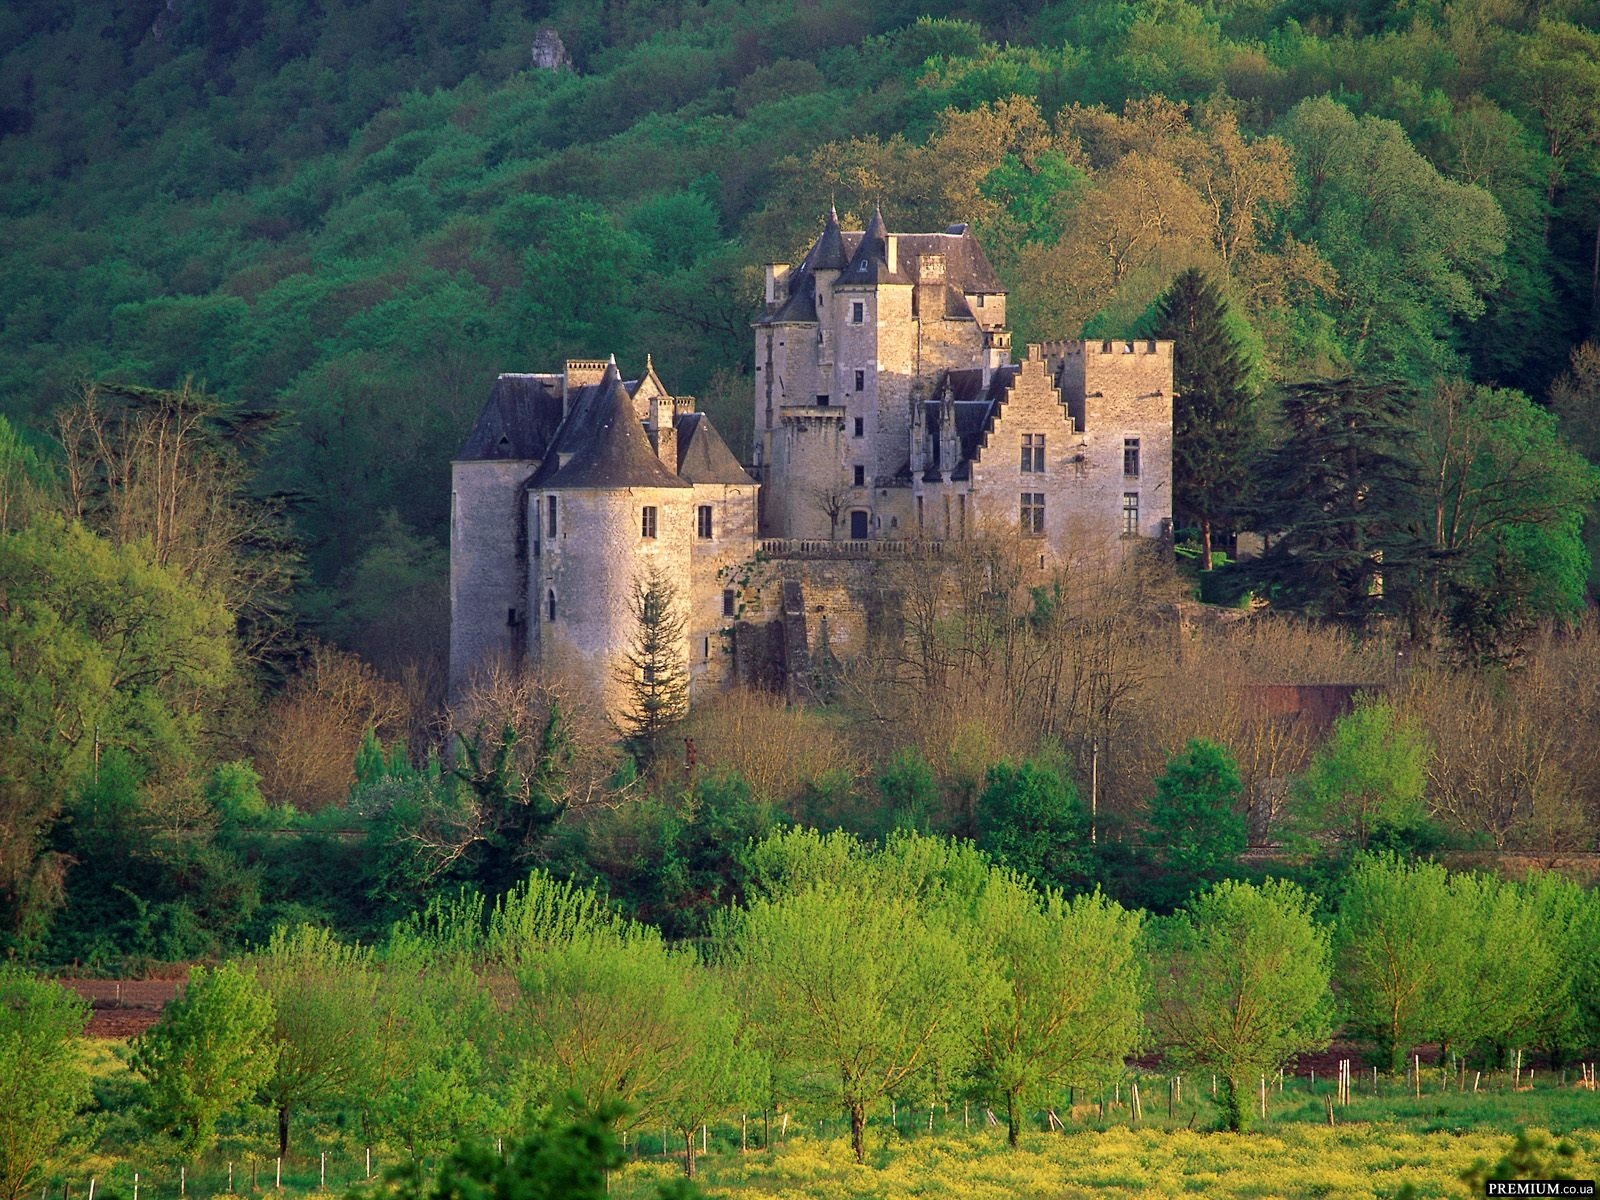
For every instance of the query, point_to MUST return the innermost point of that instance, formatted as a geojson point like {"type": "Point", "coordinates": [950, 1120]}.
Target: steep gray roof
{"type": "Point", "coordinates": [703, 457]}
{"type": "Point", "coordinates": [517, 422]}
{"type": "Point", "coordinates": [829, 253]}
{"type": "Point", "coordinates": [966, 266]}
{"type": "Point", "coordinates": [607, 442]}
{"type": "Point", "coordinates": [976, 406]}
{"type": "Point", "coordinates": [862, 257]}
{"type": "Point", "coordinates": [870, 263]}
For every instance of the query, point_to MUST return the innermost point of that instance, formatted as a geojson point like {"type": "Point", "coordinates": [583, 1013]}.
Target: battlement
{"type": "Point", "coordinates": [1102, 348]}
{"type": "Point", "coordinates": [580, 372]}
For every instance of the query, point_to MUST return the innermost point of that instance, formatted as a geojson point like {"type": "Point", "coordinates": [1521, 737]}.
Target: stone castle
{"type": "Point", "coordinates": [889, 419]}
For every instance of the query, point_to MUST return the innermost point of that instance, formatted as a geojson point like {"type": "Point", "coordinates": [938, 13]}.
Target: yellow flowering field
{"type": "Point", "coordinates": [1349, 1162]}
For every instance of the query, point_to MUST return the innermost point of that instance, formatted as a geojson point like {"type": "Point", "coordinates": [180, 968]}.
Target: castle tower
{"type": "Point", "coordinates": [603, 510]}
{"type": "Point", "coordinates": [489, 609]}
{"type": "Point", "coordinates": [845, 338]}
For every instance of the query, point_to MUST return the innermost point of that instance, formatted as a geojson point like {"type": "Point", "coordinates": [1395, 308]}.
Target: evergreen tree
{"type": "Point", "coordinates": [1194, 817]}
{"type": "Point", "coordinates": [652, 668]}
{"type": "Point", "coordinates": [1213, 413]}
{"type": "Point", "coordinates": [1341, 494]}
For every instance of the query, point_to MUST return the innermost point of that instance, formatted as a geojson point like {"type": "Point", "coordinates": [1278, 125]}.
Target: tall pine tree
{"type": "Point", "coordinates": [1341, 491]}
{"type": "Point", "coordinates": [1213, 416]}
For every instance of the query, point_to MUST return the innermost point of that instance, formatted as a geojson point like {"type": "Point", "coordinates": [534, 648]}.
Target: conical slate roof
{"type": "Point", "coordinates": [829, 253]}
{"type": "Point", "coordinates": [607, 443]}
{"type": "Point", "coordinates": [703, 457]}
{"type": "Point", "coordinates": [871, 261]}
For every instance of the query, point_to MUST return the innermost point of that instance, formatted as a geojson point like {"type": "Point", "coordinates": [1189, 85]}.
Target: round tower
{"type": "Point", "coordinates": [610, 516]}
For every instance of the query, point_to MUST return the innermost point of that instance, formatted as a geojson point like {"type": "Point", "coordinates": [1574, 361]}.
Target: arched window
{"type": "Point", "coordinates": [550, 604]}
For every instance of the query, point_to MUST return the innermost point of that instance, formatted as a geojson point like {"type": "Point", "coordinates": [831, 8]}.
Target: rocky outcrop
{"type": "Point", "coordinates": [549, 52]}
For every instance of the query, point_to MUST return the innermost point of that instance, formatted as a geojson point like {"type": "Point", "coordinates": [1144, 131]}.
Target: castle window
{"type": "Point", "coordinates": [550, 516]}
{"type": "Point", "coordinates": [861, 381]}
{"type": "Point", "coordinates": [858, 312]}
{"type": "Point", "coordinates": [1130, 456]}
{"type": "Point", "coordinates": [1033, 453]}
{"type": "Point", "coordinates": [861, 427]}
{"type": "Point", "coordinates": [702, 520]}
{"type": "Point", "coordinates": [728, 600]}
{"type": "Point", "coordinates": [647, 523]}
{"type": "Point", "coordinates": [980, 299]}
{"type": "Point", "coordinates": [550, 605]}
{"type": "Point", "coordinates": [1130, 513]}
{"type": "Point", "coordinates": [1032, 514]}
{"type": "Point", "coordinates": [822, 401]}
{"type": "Point", "coordinates": [861, 475]}
{"type": "Point", "coordinates": [705, 649]}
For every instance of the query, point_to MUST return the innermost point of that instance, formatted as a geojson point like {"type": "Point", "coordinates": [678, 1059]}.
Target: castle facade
{"type": "Point", "coordinates": [888, 413]}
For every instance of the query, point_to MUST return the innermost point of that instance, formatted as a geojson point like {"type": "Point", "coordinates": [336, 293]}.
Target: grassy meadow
{"type": "Point", "coordinates": [1379, 1144]}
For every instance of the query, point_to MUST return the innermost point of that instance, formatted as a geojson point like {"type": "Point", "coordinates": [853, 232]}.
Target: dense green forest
{"type": "Point", "coordinates": [263, 260]}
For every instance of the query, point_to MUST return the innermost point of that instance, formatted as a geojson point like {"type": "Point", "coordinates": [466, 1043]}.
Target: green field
{"type": "Point", "coordinates": [1378, 1145]}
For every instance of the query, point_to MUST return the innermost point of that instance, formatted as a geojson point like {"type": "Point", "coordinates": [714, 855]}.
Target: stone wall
{"type": "Point", "coordinates": [488, 596]}
{"type": "Point", "coordinates": [590, 566]}
{"type": "Point", "coordinates": [714, 567]}
{"type": "Point", "coordinates": [1116, 391]}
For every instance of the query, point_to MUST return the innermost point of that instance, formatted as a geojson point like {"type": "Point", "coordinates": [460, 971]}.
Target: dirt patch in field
{"type": "Point", "coordinates": [123, 1008]}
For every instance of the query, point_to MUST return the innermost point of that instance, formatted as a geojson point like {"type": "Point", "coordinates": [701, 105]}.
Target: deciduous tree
{"type": "Point", "coordinates": [1369, 776]}
{"type": "Point", "coordinates": [1061, 992]}
{"type": "Point", "coordinates": [855, 979]}
{"type": "Point", "coordinates": [1241, 986]}
{"type": "Point", "coordinates": [1398, 940]}
{"type": "Point", "coordinates": [210, 1050]}
{"type": "Point", "coordinates": [43, 1083]}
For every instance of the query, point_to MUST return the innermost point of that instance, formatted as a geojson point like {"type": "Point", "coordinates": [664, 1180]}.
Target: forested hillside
{"type": "Point", "coordinates": [263, 259]}
{"type": "Point", "coordinates": [358, 214]}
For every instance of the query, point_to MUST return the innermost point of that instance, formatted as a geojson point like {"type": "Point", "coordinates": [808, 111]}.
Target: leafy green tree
{"type": "Point", "coordinates": [1369, 776]}
{"type": "Point", "coordinates": [1213, 412]}
{"type": "Point", "coordinates": [652, 674]}
{"type": "Point", "coordinates": [1241, 986]}
{"type": "Point", "coordinates": [1031, 820]}
{"type": "Point", "coordinates": [426, 1078]}
{"type": "Point", "coordinates": [1556, 68]}
{"type": "Point", "coordinates": [1197, 829]}
{"type": "Point", "coordinates": [43, 1082]}
{"type": "Point", "coordinates": [908, 790]}
{"type": "Point", "coordinates": [1415, 252]}
{"type": "Point", "coordinates": [104, 649]}
{"type": "Point", "coordinates": [852, 974]}
{"type": "Point", "coordinates": [1062, 996]}
{"type": "Point", "coordinates": [1340, 494]}
{"type": "Point", "coordinates": [322, 995]}
{"type": "Point", "coordinates": [619, 1019]}
{"type": "Point", "coordinates": [210, 1051]}
{"type": "Point", "coordinates": [697, 865]}
{"type": "Point", "coordinates": [1398, 939]}
{"type": "Point", "coordinates": [1505, 498]}
{"type": "Point", "coordinates": [1569, 916]}
{"type": "Point", "coordinates": [1485, 1006]}
{"type": "Point", "coordinates": [27, 484]}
